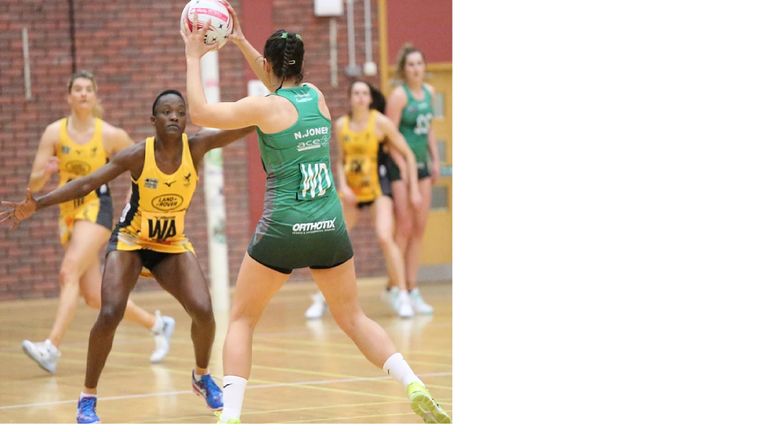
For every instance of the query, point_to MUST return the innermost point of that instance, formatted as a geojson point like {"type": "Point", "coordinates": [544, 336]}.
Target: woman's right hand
{"type": "Point", "coordinates": [194, 45]}
{"type": "Point", "coordinates": [15, 212]}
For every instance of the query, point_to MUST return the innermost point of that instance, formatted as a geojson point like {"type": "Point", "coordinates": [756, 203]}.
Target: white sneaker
{"type": "Point", "coordinates": [389, 296]}
{"type": "Point", "coordinates": [317, 308]}
{"type": "Point", "coordinates": [419, 305]}
{"type": "Point", "coordinates": [45, 354]}
{"type": "Point", "coordinates": [404, 306]}
{"type": "Point", "coordinates": [162, 337]}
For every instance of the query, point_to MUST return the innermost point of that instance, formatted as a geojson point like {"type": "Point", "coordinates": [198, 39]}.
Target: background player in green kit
{"type": "Point", "coordinates": [410, 107]}
{"type": "Point", "coordinates": [302, 223]}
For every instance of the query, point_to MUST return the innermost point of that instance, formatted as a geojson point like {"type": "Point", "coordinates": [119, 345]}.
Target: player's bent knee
{"type": "Point", "coordinates": [384, 238]}
{"type": "Point", "coordinates": [347, 320]}
{"type": "Point", "coordinates": [110, 315]}
{"type": "Point", "coordinates": [68, 276]}
{"type": "Point", "coordinates": [92, 301]}
{"type": "Point", "coordinates": [200, 312]}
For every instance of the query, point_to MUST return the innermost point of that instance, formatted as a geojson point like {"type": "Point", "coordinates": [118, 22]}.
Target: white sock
{"type": "Point", "coordinates": [234, 391]}
{"type": "Point", "coordinates": [82, 395]}
{"type": "Point", "coordinates": [197, 376]}
{"type": "Point", "coordinates": [158, 325]}
{"type": "Point", "coordinates": [398, 368]}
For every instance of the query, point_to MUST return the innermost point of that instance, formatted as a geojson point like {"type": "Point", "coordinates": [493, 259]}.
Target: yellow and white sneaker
{"type": "Point", "coordinates": [229, 421]}
{"type": "Point", "coordinates": [426, 407]}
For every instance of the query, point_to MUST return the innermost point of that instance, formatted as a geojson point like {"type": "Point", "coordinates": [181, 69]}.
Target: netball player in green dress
{"type": "Point", "coordinates": [302, 223]}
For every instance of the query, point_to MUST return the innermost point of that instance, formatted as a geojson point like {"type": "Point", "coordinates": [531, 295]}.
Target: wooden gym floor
{"type": "Point", "coordinates": [303, 371]}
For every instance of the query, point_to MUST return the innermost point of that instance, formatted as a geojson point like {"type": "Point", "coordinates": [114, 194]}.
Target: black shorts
{"type": "Point", "coordinates": [393, 171]}
{"type": "Point", "coordinates": [149, 258]}
{"type": "Point", "coordinates": [289, 271]}
{"type": "Point", "coordinates": [364, 204]}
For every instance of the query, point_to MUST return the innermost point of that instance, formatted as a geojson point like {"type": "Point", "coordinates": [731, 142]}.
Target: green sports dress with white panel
{"type": "Point", "coordinates": [302, 224]}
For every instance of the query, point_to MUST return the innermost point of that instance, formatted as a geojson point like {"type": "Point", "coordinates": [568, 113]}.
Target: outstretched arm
{"type": "Point", "coordinates": [18, 211]}
{"type": "Point", "coordinates": [208, 139]}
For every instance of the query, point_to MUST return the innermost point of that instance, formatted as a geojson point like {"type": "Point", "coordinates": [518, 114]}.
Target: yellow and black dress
{"type": "Point", "coordinates": [361, 160]}
{"type": "Point", "coordinates": [75, 161]}
{"type": "Point", "coordinates": [153, 221]}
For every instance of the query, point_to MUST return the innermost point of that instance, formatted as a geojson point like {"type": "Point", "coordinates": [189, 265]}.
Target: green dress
{"type": "Point", "coordinates": [302, 224]}
{"type": "Point", "coordinates": [415, 121]}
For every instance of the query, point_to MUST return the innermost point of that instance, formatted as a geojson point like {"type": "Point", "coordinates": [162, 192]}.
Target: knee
{"type": "Point", "coordinates": [68, 274]}
{"type": "Point", "coordinates": [404, 226]}
{"type": "Point", "coordinates": [245, 315]}
{"type": "Point", "coordinates": [418, 229]}
{"type": "Point", "coordinates": [201, 312]}
{"type": "Point", "coordinates": [110, 315]}
{"type": "Point", "coordinates": [384, 238]}
{"type": "Point", "coordinates": [347, 320]}
{"type": "Point", "coordinates": [92, 300]}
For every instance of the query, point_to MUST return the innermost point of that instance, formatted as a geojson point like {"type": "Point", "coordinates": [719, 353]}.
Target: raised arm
{"type": "Point", "coordinates": [252, 55]}
{"type": "Point", "coordinates": [18, 211]}
{"type": "Point", "coordinates": [45, 163]}
{"type": "Point", "coordinates": [248, 111]}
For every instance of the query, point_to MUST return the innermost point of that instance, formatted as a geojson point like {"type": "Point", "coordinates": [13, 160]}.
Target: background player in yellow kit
{"type": "Point", "coordinates": [75, 146]}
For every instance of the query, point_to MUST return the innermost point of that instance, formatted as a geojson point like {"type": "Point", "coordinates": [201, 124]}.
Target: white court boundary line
{"type": "Point", "coordinates": [254, 386]}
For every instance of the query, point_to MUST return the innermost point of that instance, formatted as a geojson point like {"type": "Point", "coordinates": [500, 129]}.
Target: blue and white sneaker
{"type": "Point", "coordinates": [208, 389]}
{"type": "Point", "coordinates": [86, 410]}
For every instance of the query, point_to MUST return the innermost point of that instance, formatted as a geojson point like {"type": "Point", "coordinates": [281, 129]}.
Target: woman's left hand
{"type": "Point", "coordinates": [194, 44]}
{"type": "Point", "coordinates": [15, 212]}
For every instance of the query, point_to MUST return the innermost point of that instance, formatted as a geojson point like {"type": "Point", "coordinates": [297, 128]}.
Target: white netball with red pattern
{"type": "Point", "coordinates": [213, 10]}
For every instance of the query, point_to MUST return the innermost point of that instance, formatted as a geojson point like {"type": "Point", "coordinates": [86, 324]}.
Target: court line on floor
{"type": "Point", "coordinates": [253, 386]}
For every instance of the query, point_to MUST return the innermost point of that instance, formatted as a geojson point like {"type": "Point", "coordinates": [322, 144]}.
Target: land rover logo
{"type": "Point", "coordinates": [168, 202]}
{"type": "Point", "coordinates": [78, 168]}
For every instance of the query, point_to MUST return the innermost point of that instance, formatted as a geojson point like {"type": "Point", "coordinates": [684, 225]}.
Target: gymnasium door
{"type": "Point", "coordinates": [437, 247]}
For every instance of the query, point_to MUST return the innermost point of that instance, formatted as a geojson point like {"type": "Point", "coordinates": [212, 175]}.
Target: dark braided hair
{"type": "Point", "coordinates": [285, 52]}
